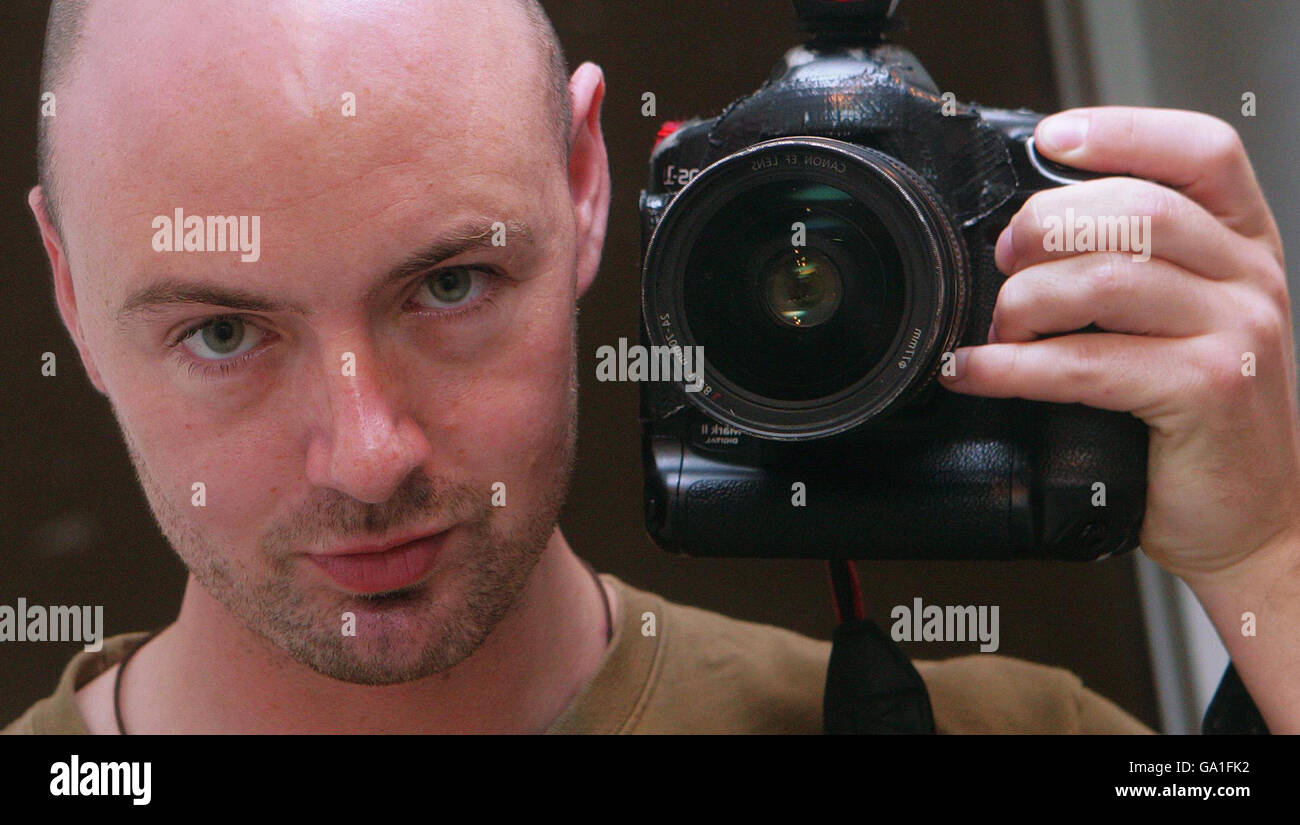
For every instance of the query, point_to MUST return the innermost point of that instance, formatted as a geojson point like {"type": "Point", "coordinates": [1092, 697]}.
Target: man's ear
{"type": "Point", "coordinates": [63, 291]}
{"type": "Point", "coordinates": [588, 170]}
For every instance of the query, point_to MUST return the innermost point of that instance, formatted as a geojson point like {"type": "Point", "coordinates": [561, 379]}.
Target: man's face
{"type": "Point", "coordinates": [354, 394]}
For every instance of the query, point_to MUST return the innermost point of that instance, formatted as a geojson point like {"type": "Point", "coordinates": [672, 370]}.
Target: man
{"type": "Point", "coordinates": [358, 437]}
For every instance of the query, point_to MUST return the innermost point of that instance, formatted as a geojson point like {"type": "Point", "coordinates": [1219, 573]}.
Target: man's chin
{"type": "Point", "coordinates": [386, 638]}
{"type": "Point", "coordinates": [399, 635]}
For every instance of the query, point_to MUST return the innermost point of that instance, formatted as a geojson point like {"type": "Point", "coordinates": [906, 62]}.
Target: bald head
{"type": "Point", "coordinates": [66, 31]}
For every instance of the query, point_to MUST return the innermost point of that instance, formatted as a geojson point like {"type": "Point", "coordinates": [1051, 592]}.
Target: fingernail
{"type": "Point", "coordinates": [957, 369]}
{"type": "Point", "coordinates": [1003, 253]}
{"type": "Point", "coordinates": [1061, 133]}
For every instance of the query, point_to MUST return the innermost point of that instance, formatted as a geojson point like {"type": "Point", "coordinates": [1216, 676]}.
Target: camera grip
{"type": "Point", "coordinates": [1029, 492]}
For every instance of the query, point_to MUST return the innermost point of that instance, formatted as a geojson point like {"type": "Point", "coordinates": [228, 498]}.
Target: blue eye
{"type": "Point", "coordinates": [452, 287]}
{"type": "Point", "coordinates": [222, 339]}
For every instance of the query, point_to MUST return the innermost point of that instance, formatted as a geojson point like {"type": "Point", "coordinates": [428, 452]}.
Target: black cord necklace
{"type": "Point", "coordinates": [117, 682]}
{"type": "Point", "coordinates": [604, 600]}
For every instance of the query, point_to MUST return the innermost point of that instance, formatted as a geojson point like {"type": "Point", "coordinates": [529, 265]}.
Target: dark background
{"type": "Point", "coordinates": [75, 527]}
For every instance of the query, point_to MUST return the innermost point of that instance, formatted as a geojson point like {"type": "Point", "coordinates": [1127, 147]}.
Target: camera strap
{"type": "Point", "coordinates": [871, 684]}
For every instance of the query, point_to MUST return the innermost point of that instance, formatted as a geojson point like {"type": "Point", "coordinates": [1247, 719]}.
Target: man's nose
{"type": "Point", "coordinates": [367, 445]}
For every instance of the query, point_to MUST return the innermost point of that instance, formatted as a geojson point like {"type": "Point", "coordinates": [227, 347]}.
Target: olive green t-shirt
{"type": "Point", "coordinates": [671, 668]}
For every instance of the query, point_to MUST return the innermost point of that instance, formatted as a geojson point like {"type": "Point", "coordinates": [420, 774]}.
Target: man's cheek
{"type": "Point", "coordinates": [219, 483]}
{"type": "Point", "coordinates": [519, 432]}
{"type": "Point", "coordinates": [520, 427]}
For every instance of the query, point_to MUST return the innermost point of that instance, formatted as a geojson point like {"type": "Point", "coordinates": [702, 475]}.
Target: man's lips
{"type": "Point", "coordinates": [378, 570]}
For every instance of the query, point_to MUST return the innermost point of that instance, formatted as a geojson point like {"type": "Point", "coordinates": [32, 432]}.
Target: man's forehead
{"type": "Point", "coordinates": [263, 106]}
{"type": "Point", "coordinates": [318, 40]}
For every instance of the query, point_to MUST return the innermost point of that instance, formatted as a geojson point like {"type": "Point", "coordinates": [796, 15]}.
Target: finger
{"type": "Point", "coordinates": [1110, 371]}
{"type": "Point", "coordinates": [1110, 290]}
{"type": "Point", "coordinates": [1197, 154]}
{"type": "Point", "coordinates": [1142, 218]}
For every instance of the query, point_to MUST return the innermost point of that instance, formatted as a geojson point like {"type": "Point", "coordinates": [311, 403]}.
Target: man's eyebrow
{"type": "Point", "coordinates": [468, 236]}
{"type": "Point", "coordinates": [174, 291]}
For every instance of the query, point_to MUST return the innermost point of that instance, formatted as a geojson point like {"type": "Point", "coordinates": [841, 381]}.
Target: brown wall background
{"type": "Point", "coordinates": [75, 527]}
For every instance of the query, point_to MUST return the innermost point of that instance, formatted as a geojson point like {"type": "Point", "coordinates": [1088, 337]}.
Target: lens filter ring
{"type": "Point", "coordinates": [806, 335]}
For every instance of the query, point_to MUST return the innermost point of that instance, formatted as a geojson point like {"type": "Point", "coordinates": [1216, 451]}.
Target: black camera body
{"type": "Point", "coordinates": [827, 243]}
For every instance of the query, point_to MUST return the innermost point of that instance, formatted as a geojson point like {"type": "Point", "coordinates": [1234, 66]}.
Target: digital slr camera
{"type": "Point", "coordinates": [826, 243]}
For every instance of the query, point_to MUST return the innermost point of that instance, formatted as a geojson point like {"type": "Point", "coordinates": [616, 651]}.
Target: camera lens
{"type": "Point", "coordinates": [821, 278]}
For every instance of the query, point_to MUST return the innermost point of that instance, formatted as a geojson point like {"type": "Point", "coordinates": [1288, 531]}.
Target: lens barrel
{"type": "Point", "coordinates": [822, 280]}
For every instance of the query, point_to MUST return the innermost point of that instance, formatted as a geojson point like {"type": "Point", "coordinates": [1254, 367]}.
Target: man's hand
{"type": "Point", "coordinates": [1196, 342]}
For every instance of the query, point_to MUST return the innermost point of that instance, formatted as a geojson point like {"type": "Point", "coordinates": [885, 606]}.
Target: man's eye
{"type": "Point", "coordinates": [453, 287]}
{"type": "Point", "coordinates": [222, 339]}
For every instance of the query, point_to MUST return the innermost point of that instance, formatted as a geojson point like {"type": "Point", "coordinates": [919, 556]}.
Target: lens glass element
{"type": "Point", "coordinates": [795, 290]}
{"type": "Point", "coordinates": [802, 288]}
